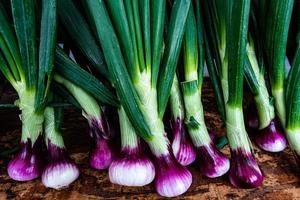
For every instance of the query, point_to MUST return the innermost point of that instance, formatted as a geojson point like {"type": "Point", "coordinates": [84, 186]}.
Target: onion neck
{"type": "Point", "coordinates": [279, 101]}
{"type": "Point", "coordinates": [52, 133]}
{"type": "Point", "coordinates": [236, 132]}
{"type": "Point", "coordinates": [148, 98]}
{"type": "Point", "coordinates": [194, 114]}
{"type": "Point", "coordinates": [32, 121]}
{"type": "Point", "coordinates": [129, 139]}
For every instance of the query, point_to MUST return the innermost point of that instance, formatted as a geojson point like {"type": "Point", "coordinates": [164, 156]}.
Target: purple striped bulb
{"type": "Point", "coordinates": [131, 168]}
{"type": "Point", "coordinates": [61, 171]}
{"type": "Point", "coordinates": [102, 154]}
{"type": "Point", "coordinates": [271, 138]}
{"type": "Point", "coordinates": [27, 164]}
{"type": "Point", "coordinates": [244, 171]}
{"type": "Point", "coordinates": [172, 179]}
{"type": "Point", "coordinates": [182, 147]}
{"type": "Point", "coordinates": [212, 162]}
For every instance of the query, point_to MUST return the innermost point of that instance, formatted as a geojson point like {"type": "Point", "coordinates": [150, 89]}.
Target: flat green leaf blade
{"type": "Point", "coordinates": [117, 68]}
{"type": "Point", "coordinates": [237, 30]}
{"type": "Point", "coordinates": [10, 40]}
{"type": "Point", "coordinates": [125, 33]}
{"type": "Point", "coordinates": [71, 71]}
{"type": "Point", "coordinates": [179, 15]}
{"type": "Point", "coordinates": [276, 33]}
{"type": "Point", "coordinates": [46, 50]}
{"type": "Point", "coordinates": [146, 28]}
{"type": "Point", "coordinates": [80, 32]}
{"type": "Point", "coordinates": [158, 12]}
{"type": "Point", "coordinates": [24, 21]}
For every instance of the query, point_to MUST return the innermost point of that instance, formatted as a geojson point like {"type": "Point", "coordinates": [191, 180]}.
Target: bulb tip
{"type": "Point", "coordinates": [244, 171]}
{"type": "Point", "coordinates": [172, 179]}
{"type": "Point", "coordinates": [212, 162]}
{"type": "Point", "coordinates": [271, 138]}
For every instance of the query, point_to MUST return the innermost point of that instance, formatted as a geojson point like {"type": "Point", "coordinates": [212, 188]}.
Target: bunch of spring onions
{"type": "Point", "coordinates": [140, 60]}
{"type": "Point", "coordinates": [137, 70]}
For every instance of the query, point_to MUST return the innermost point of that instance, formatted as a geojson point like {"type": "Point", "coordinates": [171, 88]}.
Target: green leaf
{"type": "Point", "coordinates": [146, 28]}
{"type": "Point", "coordinates": [158, 12]}
{"type": "Point", "coordinates": [237, 40]}
{"type": "Point", "coordinates": [117, 68]}
{"type": "Point", "coordinates": [24, 21]}
{"type": "Point", "coordinates": [276, 32]}
{"type": "Point", "coordinates": [138, 33]}
{"type": "Point", "coordinates": [201, 49]}
{"type": "Point", "coordinates": [72, 72]}
{"type": "Point", "coordinates": [190, 48]}
{"type": "Point", "coordinates": [125, 33]}
{"type": "Point", "coordinates": [6, 71]}
{"type": "Point", "coordinates": [10, 48]}
{"type": "Point", "coordinates": [46, 51]}
{"type": "Point", "coordinates": [80, 32]}
{"type": "Point", "coordinates": [176, 29]}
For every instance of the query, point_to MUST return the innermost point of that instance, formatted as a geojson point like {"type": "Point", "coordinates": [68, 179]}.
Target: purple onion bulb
{"type": "Point", "coordinates": [61, 171]}
{"type": "Point", "coordinates": [27, 164]}
{"type": "Point", "coordinates": [212, 162]}
{"type": "Point", "coordinates": [102, 155]}
{"type": "Point", "coordinates": [271, 138]}
{"type": "Point", "coordinates": [131, 168]}
{"type": "Point", "coordinates": [172, 179]}
{"type": "Point", "coordinates": [182, 147]}
{"type": "Point", "coordinates": [244, 171]}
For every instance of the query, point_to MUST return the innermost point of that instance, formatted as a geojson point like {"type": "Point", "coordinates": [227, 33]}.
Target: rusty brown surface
{"type": "Point", "coordinates": [281, 174]}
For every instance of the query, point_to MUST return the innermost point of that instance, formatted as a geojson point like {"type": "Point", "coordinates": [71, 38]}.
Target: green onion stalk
{"type": "Point", "coordinates": [212, 162]}
{"type": "Point", "coordinates": [268, 133]}
{"type": "Point", "coordinates": [276, 22]}
{"type": "Point", "coordinates": [230, 20]}
{"type": "Point", "coordinates": [61, 170]}
{"type": "Point", "coordinates": [292, 104]}
{"type": "Point", "coordinates": [182, 146]}
{"type": "Point", "coordinates": [103, 150]}
{"type": "Point", "coordinates": [131, 38]}
{"type": "Point", "coordinates": [28, 68]}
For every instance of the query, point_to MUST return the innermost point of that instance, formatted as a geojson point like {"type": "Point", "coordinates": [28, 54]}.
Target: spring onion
{"type": "Point", "coordinates": [131, 167]}
{"type": "Point", "coordinates": [102, 153]}
{"type": "Point", "coordinates": [230, 22]}
{"type": "Point", "coordinates": [212, 162]}
{"type": "Point", "coordinates": [182, 147]}
{"type": "Point", "coordinates": [29, 70]}
{"type": "Point", "coordinates": [276, 25]}
{"type": "Point", "coordinates": [269, 135]}
{"type": "Point", "coordinates": [61, 169]}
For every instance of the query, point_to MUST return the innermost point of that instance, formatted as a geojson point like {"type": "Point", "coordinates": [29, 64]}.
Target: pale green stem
{"type": "Point", "coordinates": [236, 132]}
{"type": "Point", "coordinates": [51, 133]}
{"type": "Point", "coordinates": [128, 133]}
